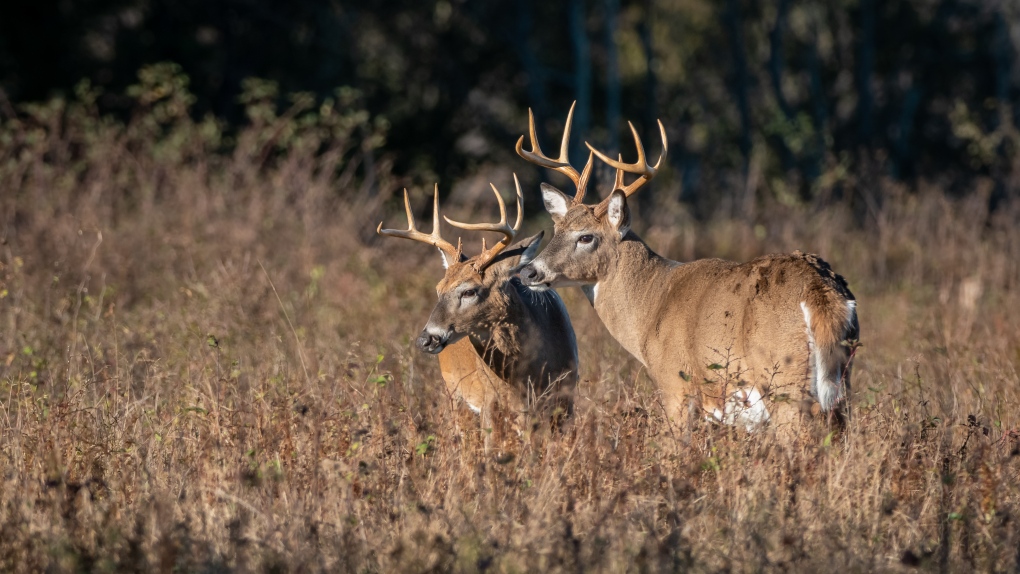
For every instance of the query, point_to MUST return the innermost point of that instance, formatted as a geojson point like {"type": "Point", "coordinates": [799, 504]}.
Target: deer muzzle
{"type": "Point", "coordinates": [532, 276]}
{"type": "Point", "coordinates": [431, 342]}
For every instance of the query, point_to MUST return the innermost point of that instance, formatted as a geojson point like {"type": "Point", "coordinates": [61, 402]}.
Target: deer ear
{"type": "Point", "coordinates": [556, 202]}
{"type": "Point", "coordinates": [617, 212]}
{"type": "Point", "coordinates": [448, 259]}
{"type": "Point", "coordinates": [445, 258]}
{"type": "Point", "coordinates": [516, 256]}
{"type": "Point", "coordinates": [531, 246]}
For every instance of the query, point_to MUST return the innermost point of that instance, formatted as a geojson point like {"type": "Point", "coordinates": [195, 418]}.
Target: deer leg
{"type": "Point", "coordinates": [487, 426]}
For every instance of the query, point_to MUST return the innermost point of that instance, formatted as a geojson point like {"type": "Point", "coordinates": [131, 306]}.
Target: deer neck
{"type": "Point", "coordinates": [629, 292]}
{"type": "Point", "coordinates": [498, 344]}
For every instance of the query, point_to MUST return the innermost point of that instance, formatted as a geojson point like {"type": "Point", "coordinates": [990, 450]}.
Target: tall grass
{"type": "Point", "coordinates": [206, 364]}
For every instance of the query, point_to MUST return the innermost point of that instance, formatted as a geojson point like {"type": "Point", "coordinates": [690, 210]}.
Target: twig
{"type": "Point", "coordinates": [77, 306]}
{"type": "Point", "coordinates": [297, 341]}
{"type": "Point", "coordinates": [222, 494]}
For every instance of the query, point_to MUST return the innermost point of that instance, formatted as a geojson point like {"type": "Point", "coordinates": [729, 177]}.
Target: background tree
{"type": "Point", "coordinates": [763, 101]}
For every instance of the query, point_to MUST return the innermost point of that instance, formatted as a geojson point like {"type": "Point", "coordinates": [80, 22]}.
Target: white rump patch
{"type": "Point", "coordinates": [476, 410]}
{"type": "Point", "coordinates": [746, 407]}
{"type": "Point", "coordinates": [825, 383]}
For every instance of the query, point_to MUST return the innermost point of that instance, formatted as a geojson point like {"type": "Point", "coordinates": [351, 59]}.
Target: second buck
{"type": "Point", "coordinates": [499, 343]}
{"type": "Point", "coordinates": [737, 342]}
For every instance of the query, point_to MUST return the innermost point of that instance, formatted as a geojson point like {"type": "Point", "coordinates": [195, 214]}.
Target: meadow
{"type": "Point", "coordinates": [207, 364]}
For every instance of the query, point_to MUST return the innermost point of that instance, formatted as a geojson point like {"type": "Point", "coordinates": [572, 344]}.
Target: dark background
{"type": "Point", "coordinates": [791, 100]}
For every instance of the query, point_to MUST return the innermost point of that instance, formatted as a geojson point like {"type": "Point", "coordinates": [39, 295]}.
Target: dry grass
{"type": "Point", "coordinates": [205, 365]}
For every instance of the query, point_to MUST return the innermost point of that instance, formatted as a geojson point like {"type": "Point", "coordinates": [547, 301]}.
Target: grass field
{"type": "Point", "coordinates": [207, 365]}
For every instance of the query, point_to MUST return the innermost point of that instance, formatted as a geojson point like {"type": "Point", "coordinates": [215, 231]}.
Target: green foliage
{"type": "Point", "coordinates": [426, 446]}
{"type": "Point", "coordinates": [796, 99]}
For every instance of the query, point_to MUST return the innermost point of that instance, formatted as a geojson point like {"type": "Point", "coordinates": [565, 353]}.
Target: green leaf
{"type": "Point", "coordinates": [716, 366]}
{"type": "Point", "coordinates": [425, 446]}
{"type": "Point", "coordinates": [711, 463]}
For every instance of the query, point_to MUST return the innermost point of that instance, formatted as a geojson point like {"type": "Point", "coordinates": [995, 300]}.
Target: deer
{"type": "Point", "coordinates": [501, 346]}
{"type": "Point", "coordinates": [784, 326]}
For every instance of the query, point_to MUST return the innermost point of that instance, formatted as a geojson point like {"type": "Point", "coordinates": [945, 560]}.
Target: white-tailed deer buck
{"type": "Point", "coordinates": [499, 343]}
{"type": "Point", "coordinates": [782, 326]}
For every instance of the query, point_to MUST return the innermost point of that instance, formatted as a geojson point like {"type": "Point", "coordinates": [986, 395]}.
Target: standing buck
{"type": "Point", "coordinates": [500, 344]}
{"type": "Point", "coordinates": [737, 340]}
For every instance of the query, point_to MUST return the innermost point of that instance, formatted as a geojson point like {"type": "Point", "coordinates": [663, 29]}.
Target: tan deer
{"type": "Point", "coordinates": [500, 344]}
{"type": "Point", "coordinates": [782, 326]}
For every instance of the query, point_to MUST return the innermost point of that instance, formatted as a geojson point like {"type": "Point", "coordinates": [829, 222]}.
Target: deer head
{"type": "Point", "coordinates": [585, 237]}
{"type": "Point", "coordinates": [472, 294]}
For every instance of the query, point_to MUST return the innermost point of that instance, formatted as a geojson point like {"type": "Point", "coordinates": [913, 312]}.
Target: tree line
{"type": "Point", "coordinates": [792, 99]}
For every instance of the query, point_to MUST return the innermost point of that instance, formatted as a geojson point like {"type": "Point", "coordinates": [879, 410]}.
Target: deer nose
{"type": "Point", "coordinates": [430, 342]}
{"type": "Point", "coordinates": [530, 275]}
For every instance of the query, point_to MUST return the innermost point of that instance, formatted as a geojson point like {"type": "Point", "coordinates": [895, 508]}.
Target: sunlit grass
{"type": "Point", "coordinates": [161, 407]}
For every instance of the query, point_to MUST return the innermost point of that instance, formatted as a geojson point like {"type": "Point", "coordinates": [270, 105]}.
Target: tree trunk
{"type": "Point", "coordinates": [529, 61]}
{"type": "Point", "coordinates": [612, 8]}
{"type": "Point", "coordinates": [865, 68]}
{"type": "Point", "coordinates": [776, 57]}
{"type": "Point", "coordinates": [819, 114]}
{"type": "Point", "coordinates": [739, 85]}
{"type": "Point", "coordinates": [582, 76]}
{"type": "Point", "coordinates": [651, 81]}
{"type": "Point", "coordinates": [1004, 53]}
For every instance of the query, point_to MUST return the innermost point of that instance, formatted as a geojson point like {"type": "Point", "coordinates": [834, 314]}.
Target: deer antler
{"type": "Point", "coordinates": [560, 164]}
{"type": "Point", "coordinates": [488, 255]}
{"type": "Point", "coordinates": [453, 253]}
{"type": "Point", "coordinates": [640, 167]}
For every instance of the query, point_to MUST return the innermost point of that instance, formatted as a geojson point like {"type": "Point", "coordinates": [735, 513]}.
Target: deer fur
{"type": "Point", "coordinates": [740, 342]}
{"type": "Point", "coordinates": [501, 346]}
{"type": "Point", "coordinates": [510, 346]}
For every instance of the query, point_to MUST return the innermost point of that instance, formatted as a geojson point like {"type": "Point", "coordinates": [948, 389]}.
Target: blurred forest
{"type": "Point", "coordinates": [783, 100]}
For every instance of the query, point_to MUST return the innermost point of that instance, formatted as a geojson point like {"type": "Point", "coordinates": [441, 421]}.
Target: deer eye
{"type": "Point", "coordinates": [468, 293]}
{"type": "Point", "coordinates": [585, 239]}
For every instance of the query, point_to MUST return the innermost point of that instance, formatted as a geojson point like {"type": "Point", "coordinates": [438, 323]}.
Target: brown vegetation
{"type": "Point", "coordinates": [206, 363]}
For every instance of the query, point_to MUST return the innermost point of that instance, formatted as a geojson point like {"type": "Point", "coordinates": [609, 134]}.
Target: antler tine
{"type": "Point", "coordinates": [520, 205]}
{"type": "Point", "coordinates": [560, 164]}
{"type": "Point", "coordinates": [509, 233]}
{"type": "Point", "coordinates": [582, 183]}
{"type": "Point", "coordinates": [565, 140]}
{"type": "Point", "coordinates": [640, 167]}
{"type": "Point", "coordinates": [538, 157]}
{"type": "Point", "coordinates": [618, 184]}
{"type": "Point", "coordinates": [435, 212]}
{"type": "Point", "coordinates": [434, 238]}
